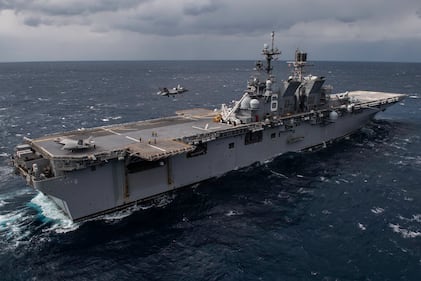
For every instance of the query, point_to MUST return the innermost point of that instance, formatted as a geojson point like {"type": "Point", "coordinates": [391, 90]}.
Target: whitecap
{"type": "Point", "coordinates": [303, 190]}
{"type": "Point", "coordinates": [267, 202]}
{"type": "Point", "coordinates": [323, 179]}
{"type": "Point", "coordinates": [414, 97]}
{"type": "Point", "coordinates": [232, 213]}
{"type": "Point", "coordinates": [116, 216]}
{"type": "Point", "coordinates": [415, 218]}
{"type": "Point", "coordinates": [164, 200]}
{"type": "Point", "coordinates": [278, 174]}
{"type": "Point", "coordinates": [361, 226]}
{"type": "Point", "coordinates": [7, 219]}
{"type": "Point", "coordinates": [119, 215]}
{"type": "Point", "coordinates": [14, 228]}
{"type": "Point", "coordinates": [405, 233]}
{"type": "Point", "coordinates": [377, 210]}
{"type": "Point", "coordinates": [51, 212]}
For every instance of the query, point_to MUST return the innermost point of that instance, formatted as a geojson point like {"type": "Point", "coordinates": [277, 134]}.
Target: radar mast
{"type": "Point", "coordinates": [270, 54]}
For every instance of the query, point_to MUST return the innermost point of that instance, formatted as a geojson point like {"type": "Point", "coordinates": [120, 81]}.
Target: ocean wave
{"type": "Point", "coordinates": [377, 210]}
{"type": "Point", "coordinates": [117, 216]}
{"type": "Point", "coordinates": [405, 233]}
{"type": "Point", "coordinates": [231, 213]}
{"type": "Point", "coordinates": [50, 213]}
{"type": "Point", "coordinates": [361, 226]}
{"type": "Point", "coordinates": [15, 193]}
{"type": "Point", "coordinates": [278, 174]}
{"type": "Point", "coordinates": [14, 228]}
{"type": "Point", "coordinates": [107, 119]}
{"type": "Point", "coordinates": [415, 218]}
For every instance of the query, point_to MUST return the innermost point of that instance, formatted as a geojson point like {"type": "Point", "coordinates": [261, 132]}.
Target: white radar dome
{"type": "Point", "coordinates": [254, 104]}
{"type": "Point", "coordinates": [333, 115]}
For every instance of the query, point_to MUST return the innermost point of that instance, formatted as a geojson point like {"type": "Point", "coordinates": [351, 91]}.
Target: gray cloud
{"type": "Point", "coordinates": [203, 16]}
{"type": "Point", "coordinates": [220, 22]}
{"type": "Point", "coordinates": [197, 9]}
{"type": "Point", "coordinates": [32, 21]}
{"type": "Point", "coordinates": [69, 7]}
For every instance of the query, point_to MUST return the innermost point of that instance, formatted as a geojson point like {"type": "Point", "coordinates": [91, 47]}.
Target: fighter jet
{"type": "Point", "coordinates": [172, 92]}
{"type": "Point", "coordinates": [74, 145]}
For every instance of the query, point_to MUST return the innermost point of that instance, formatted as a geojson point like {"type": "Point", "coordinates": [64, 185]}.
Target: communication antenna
{"type": "Point", "coordinates": [270, 54]}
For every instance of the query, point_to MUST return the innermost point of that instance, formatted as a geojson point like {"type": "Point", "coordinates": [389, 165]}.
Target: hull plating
{"type": "Point", "coordinates": [104, 188]}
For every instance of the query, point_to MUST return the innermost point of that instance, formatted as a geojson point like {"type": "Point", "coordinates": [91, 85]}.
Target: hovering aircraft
{"type": "Point", "coordinates": [73, 145]}
{"type": "Point", "coordinates": [172, 92]}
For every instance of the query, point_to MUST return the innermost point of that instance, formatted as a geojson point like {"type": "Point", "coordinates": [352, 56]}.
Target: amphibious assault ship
{"type": "Point", "coordinates": [99, 170]}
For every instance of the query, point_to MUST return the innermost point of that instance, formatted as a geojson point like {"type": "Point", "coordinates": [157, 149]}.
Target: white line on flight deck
{"type": "Point", "coordinates": [163, 150]}
{"type": "Point", "coordinates": [133, 139]}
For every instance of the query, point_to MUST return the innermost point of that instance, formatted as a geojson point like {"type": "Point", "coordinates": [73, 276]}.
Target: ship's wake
{"type": "Point", "coordinates": [158, 202]}
{"type": "Point", "coordinates": [50, 214]}
{"type": "Point", "coordinates": [27, 221]}
{"type": "Point", "coordinates": [15, 219]}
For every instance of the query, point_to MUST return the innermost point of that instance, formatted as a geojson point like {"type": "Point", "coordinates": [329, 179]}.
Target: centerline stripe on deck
{"type": "Point", "coordinates": [118, 134]}
{"type": "Point", "coordinates": [111, 131]}
{"type": "Point", "coordinates": [163, 150]}
{"type": "Point", "coordinates": [133, 139]}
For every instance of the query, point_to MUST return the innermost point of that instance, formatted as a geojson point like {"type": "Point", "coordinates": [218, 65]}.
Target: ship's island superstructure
{"type": "Point", "coordinates": [112, 167]}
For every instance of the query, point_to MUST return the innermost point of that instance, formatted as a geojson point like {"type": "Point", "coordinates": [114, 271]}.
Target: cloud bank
{"type": "Point", "coordinates": [207, 29]}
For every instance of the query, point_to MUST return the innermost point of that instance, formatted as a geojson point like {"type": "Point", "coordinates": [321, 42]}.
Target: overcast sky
{"type": "Point", "coordinates": [38, 30]}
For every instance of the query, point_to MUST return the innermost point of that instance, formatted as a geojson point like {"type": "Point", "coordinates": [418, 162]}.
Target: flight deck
{"type": "Point", "coordinates": [151, 139]}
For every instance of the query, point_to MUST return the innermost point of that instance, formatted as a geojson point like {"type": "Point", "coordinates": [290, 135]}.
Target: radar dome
{"type": "Point", "coordinates": [254, 104]}
{"type": "Point", "coordinates": [333, 115]}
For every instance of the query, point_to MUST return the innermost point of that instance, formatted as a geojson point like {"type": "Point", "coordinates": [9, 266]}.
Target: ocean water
{"type": "Point", "coordinates": [351, 211]}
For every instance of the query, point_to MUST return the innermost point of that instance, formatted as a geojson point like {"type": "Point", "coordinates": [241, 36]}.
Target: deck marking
{"type": "Point", "coordinates": [205, 129]}
{"type": "Point", "coordinates": [111, 131]}
{"type": "Point", "coordinates": [133, 139]}
{"type": "Point", "coordinates": [163, 150]}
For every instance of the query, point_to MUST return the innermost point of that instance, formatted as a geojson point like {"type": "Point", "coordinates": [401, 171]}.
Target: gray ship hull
{"type": "Point", "coordinates": [115, 184]}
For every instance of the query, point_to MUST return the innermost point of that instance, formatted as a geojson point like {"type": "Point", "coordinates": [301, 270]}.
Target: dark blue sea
{"type": "Point", "coordinates": [351, 211]}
